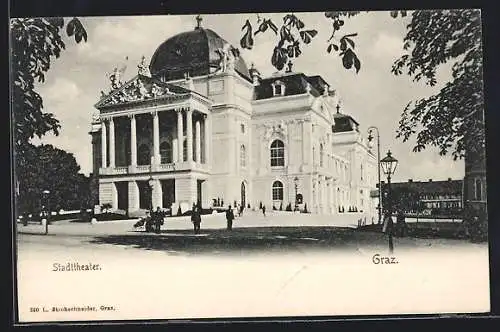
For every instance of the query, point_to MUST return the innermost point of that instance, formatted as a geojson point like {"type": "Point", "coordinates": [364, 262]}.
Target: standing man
{"type": "Point", "coordinates": [196, 218]}
{"type": "Point", "coordinates": [158, 219]}
{"type": "Point", "coordinates": [229, 218]}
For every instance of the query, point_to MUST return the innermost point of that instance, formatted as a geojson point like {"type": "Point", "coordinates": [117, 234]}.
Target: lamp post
{"type": "Point", "coordinates": [370, 138]}
{"type": "Point", "coordinates": [45, 213]}
{"type": "Point", "coordinates": [389, 164]}
{"type": "Point", "coordinates": [296, 183]}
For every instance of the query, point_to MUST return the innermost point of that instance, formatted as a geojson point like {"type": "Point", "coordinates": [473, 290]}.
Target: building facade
{"type": "Point", "coordinates": [427, 198]}
{"type": "Point", "coordinates": [198, 125]}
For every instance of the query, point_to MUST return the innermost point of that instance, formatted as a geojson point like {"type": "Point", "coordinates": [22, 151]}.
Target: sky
{"type": "Point", "coordinates": [374, 96]}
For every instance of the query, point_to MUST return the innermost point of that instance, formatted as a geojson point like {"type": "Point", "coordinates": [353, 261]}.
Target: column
{"type": "Point", "coordinates": [104, 151]}
{"type": "Point", "coordinates": [180, 136]}
{"type": "Point", "coordinates": [208, 138]}
{"type": "Point", "coordinates": [114, 196]}
{"type": "Point", "coordinates": [133, 196]}
{"type": "Point", "coordinates": [156, 137]}
{"type": "Point", "coordinates": [111, 143]}
{"type": "Point", "coordinates": [189, 132]}
{"type": "Point", "coordinates": [198, 141]}
{"type": "Point", "coordinates": [133, 141]}
{"type": "Point", "coordinates": [157, 195]}
{"type": "Point", "coordinates": [304, 135]}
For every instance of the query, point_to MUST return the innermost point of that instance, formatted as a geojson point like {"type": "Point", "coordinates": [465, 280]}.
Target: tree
{"type": "Point", "coordinates": [45, 167]}
{"type": "Point", "coordinates": [35, 42]}
{"type": "Point", "coordinates": [446, 120]}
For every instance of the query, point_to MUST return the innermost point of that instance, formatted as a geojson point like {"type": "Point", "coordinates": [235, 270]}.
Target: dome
{"type": "Point", "coordinates": [192, 51]}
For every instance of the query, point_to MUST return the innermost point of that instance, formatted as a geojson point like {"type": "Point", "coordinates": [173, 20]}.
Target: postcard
{"type": "Point", "coordinates": [249, 165]}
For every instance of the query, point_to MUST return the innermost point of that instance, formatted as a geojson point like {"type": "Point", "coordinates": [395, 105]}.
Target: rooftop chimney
{"type": "Point", "coordinates": [449, 179]}
{"type": "Point", "coordinates": [410, 180]}
{"type": "Point", "coordinates": [254, 73]}
{"type": "Point", "coordinates": [430, 180]}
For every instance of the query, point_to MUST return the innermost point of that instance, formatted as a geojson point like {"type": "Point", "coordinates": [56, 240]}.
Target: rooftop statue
{"type": "Point", "coordinates": [143, 69]}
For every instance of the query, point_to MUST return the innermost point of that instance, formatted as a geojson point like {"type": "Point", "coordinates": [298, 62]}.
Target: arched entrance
{"type": "Point", "coordinates": [243, 194]}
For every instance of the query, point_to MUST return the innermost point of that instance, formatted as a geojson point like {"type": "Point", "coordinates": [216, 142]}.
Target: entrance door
{"type": "Point", "coordinates": [122, 190]}
{"type": "Point", "coordinates": [168, 192]}
{"type": "Point", "coordinates": [243, 194]}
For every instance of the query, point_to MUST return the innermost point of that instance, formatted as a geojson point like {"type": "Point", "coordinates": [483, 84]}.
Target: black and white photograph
{"type": "Point", "coordinates": [246, 165]}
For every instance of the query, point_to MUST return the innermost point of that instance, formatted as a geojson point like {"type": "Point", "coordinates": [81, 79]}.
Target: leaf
{"type": "Point", "coordinates": [279, 58]}
{"type": "Point", "coordinates": [348, 59]}
{"type": "Point", "coordinates": [308, 35]}
{"type": "Point", "coordinates": [350, 41]}
{"type": "Point", "coordinates": [247, 25]}
{"type": "Point", "coordinates": [394, 13]}
{"type": "Point", "coordinates": [272, 26]}
{"type": "Point", "coordinates": [329, 48]}
{"type": "Point", "coordinates": [343, 44]}
{"type": "Point", "coordinates": [357, 64]}
{"type": "Point", "coordinates": [247, 41]}
{"type": "Point", "coordinates": [70, 28]}
{"type": "Point", "coordinates": [262, 27]}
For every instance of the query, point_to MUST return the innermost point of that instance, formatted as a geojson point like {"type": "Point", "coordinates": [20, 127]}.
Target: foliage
{"type": "Point", "coordinates": [35, 42]}
{"type": "Point", "coordinates": [450, 120]}
{"type": "Point", "coordinates": [45, 167]}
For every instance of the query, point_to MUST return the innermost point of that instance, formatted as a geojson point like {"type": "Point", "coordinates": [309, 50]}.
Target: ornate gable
{"type": "Point", "coordinates": [140, 88]}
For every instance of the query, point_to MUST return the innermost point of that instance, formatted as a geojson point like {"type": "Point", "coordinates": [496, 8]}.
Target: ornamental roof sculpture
{"type": "Point", "coordinates": [140, 88]}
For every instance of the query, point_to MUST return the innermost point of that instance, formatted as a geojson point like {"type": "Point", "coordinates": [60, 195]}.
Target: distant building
{"type": "Point", "coordinates": [444, 198]}
{"type": "Point", "coordinates": [198, 125]}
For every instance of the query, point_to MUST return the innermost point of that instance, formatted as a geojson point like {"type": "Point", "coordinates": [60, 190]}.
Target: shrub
{"type": "Point", "coordinates": [289, 207]}
{"type": "Point", "coordinates": [179, 211]}
{"type": "Point", "coordinates": [305, 208]}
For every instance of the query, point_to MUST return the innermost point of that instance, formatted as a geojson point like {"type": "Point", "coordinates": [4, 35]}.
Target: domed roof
{"type": "Point", "coordinates": [191, 51]}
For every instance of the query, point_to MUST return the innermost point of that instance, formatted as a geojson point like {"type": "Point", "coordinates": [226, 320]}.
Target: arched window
{"type": "Point", "coordinates": [277, 191]}
{"type": "Point", "coordinates": [321, 155]}
{"type": "Point", "coordinates": [144, 155]}
{"type": "Point", "coordinates": [277, 153]}
{"type": "Point", "coordinates": [479, 189]}
{"type": "Point", "coordinates": [243, 156]}
{"type": "Point", "coordinates": [166, 152]}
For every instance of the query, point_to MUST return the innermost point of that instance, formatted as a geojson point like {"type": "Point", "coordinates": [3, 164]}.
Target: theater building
{"type": "Point", "coordinates": [199, 125]}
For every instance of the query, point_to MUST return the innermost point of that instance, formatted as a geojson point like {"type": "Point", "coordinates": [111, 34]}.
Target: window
{"type": "Point", "coordinates": [277, 191]}
{"type": "Point", "coordinates": [277, 153]}
{"type": "Point", "coordinates": [278, 88]}
{"type": "Point", "coordinates": [242, 126]}
{"type": "Point", "coordinates": [321, 155]}
{"type": "Point", "coordinates": [479, 189]}
{"type": "Point", "coordinates": [144, 157]}
{"type": "Point", "coordinates": [165, 153]}
{"type": "Point", "coordinates": [243, 156]}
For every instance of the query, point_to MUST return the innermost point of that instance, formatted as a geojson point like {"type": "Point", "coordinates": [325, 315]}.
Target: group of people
{"type": "Point", "coordinates": [153, 220]}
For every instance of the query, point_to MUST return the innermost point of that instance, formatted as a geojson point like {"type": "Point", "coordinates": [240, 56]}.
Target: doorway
{"type": "Point", "coordinates": [122, 191]}
{"type": "Point", "coordinates": [243, 194]}
{"type": "Point", "coordinates": [168, 192]}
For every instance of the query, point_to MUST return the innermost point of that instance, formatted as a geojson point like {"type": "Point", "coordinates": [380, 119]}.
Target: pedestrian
{"type": "Point", "coordinates": [229, 218]}
{"type": "Point", "coordinates": [158, 219]}
{"type": "Point", "coordinates": [148, 221]}
{"type": "Point", "coordinates": [196, 218]}
{"type": "Point", "coordinates": [264, 210]}
{"type": "Point", "coordinates": [388, 228]}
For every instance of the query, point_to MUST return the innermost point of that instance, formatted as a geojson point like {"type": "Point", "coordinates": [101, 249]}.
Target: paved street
{"type": "Point", "coordinates": [255, 270]}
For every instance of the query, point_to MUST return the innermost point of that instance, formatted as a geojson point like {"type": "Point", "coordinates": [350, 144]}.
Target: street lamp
{"type": "Point", "coordinates": [45, 213]}
{"type": "Point", "coordinates": [370, 138]}
{"type": "Point", "coordinates": [296, 182]}
{"type": "Point", "coordinates": [389, 164]}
